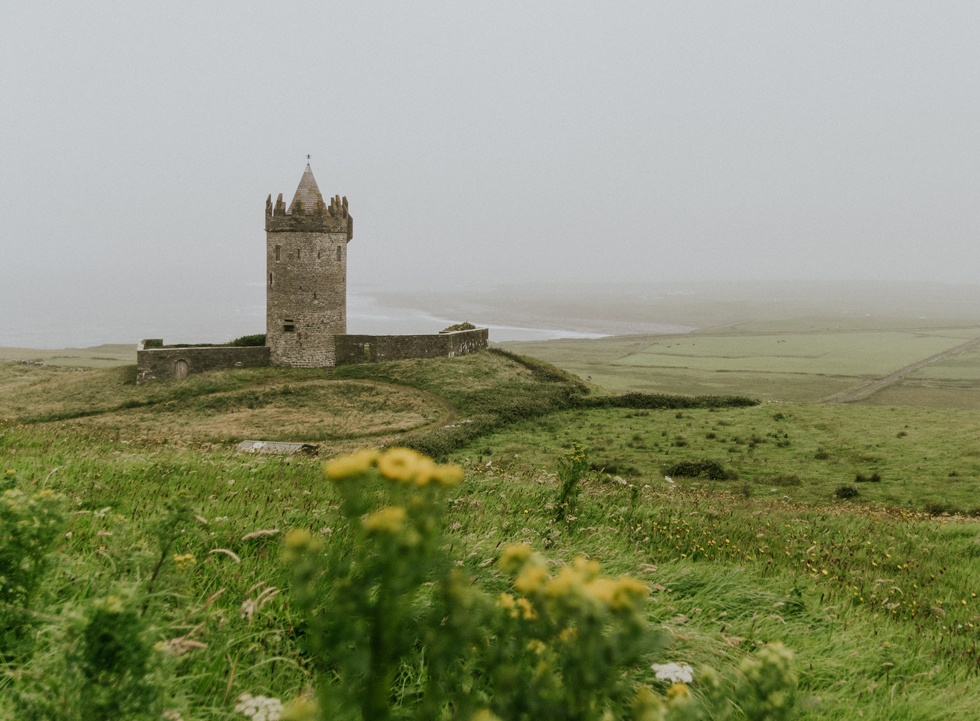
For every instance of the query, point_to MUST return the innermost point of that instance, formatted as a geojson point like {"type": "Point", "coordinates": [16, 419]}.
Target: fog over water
{"type": "Point", "coordinates": [479, 146]}
{"type": "Point", "coordinates": [219, 319]}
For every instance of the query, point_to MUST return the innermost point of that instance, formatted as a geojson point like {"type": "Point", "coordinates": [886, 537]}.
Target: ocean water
{"type": "Point", "coordinates": [82, 318]}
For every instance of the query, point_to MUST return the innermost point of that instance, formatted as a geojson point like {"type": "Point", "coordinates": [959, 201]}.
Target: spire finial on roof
{"type": "Point", "coordinates": [307, 192]}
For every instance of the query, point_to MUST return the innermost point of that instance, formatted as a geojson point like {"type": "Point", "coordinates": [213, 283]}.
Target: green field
{"type": "Point", "coordinates": [100, 356]}
{"type": "Point", "coordinates": [876, 594]}
{"type": "Point", "coordinates": [799, 360]}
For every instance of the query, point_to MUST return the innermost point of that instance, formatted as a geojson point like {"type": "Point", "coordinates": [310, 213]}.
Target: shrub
{"type": "Point", "coordinates": [821, 454]}
{"type": "Point", "coordinates": [703, 468]}
{"type": "Point", "coordinates": [845, 492]}
{"type": "Point", "coordinates": [571, 469]}
{"type": "Point", "coordinates": [103, 668]}
{"type": "Point", "coordinates": [459, 326]}
{"type": "Point", "coordinates": [873, 478]}
{"type": "Point", "coordinates": [385, 593]}
{"type": "Point", "coordinates": [247, 341]}
{"type": "Point", "coordinates": [30, 524]}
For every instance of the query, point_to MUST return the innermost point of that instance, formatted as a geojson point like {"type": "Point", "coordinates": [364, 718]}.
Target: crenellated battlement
{"type": "Point", "coordinates": [318, 217]}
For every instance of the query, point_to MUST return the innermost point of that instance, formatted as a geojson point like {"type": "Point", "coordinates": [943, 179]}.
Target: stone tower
{"type": "Point", "coordinates": [306, 276]}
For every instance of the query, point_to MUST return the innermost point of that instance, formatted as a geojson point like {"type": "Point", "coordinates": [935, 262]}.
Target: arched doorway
{"type": "Point", "coordinates": [180, 368]}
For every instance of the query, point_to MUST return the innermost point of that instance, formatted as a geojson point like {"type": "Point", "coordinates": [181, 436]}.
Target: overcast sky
{"type": "Point", "coordinates": [489, 142]}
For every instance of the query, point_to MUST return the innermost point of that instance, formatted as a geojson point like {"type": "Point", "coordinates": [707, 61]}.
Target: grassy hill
{"type": "Point", "coordinates": [876, 593]}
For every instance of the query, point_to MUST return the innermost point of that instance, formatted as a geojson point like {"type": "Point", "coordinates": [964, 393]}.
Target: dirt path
{"type": "Point", "coordinates": [877, 385]}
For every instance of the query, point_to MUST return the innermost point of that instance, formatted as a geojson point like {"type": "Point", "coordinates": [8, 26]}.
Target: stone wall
{"type": "Point", "coordinates": [306, 297]}
{"type": "Point", "coordinates": [158, 363]}
{"type": "Point", "coordinates": [351, 349]}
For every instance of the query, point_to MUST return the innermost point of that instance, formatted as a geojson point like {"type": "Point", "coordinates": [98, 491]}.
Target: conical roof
{"type": "Point", "coordinates": [307, 192]}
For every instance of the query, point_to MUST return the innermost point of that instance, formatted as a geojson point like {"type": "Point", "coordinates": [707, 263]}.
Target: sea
{"type": "Point", "coordinates": [97, 319]}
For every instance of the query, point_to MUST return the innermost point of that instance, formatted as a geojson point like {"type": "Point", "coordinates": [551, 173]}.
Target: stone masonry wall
{"type": "Point", "coordinates": [351, 349]}
{"type": "Point", "coordinates": [159, 363]}
{"type": "Point", "coordinates": [306, 296]}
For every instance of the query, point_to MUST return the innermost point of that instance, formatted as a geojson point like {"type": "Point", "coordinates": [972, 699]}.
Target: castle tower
{"type": "Point", "coordinates": [306, 275]}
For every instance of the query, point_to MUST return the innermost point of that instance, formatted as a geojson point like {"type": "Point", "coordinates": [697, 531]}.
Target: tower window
{"type": "Point", "coordinates": [319, 254]}
{"type": "Point", "coordinates": [289, 326]}
{"type": "Point", "coordinates": [270, 278]}
{"type": "Point", "coordinates": [278, 252]}
{"type": "Point", "coordinates": [338, 252]}
{"type": "Point", "coordinates": [298, 253]}
{"type": "Point", "coordinates": [314, 295]}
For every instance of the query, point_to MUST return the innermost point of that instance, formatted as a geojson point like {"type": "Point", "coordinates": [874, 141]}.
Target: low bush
{"type": "Point", "coordinates": [703, 468]}
{"type": "Point", "coordinates": [843, 493]}
{"type": "Point", "coordinates": [248, 341]}
{"type": "Point", "coordinates": [873, 478]}
{"type": "Point", "coordinates": [458, 326]}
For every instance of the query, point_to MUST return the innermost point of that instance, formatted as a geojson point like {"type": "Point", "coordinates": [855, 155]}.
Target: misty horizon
{"type": "Point", "coordinates": [482, 147]}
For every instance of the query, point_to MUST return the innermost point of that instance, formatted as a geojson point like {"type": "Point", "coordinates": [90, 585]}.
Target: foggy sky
{"type": "Point", "coordinates": [481, 143]}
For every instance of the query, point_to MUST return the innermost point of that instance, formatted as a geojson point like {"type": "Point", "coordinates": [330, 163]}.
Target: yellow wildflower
{"type": "Point", "coordinates": [505, 601]}
{"type": "Point", "coordinates": [426, 470]}
{"type": "Point", "coordinates": [514, 558]}
{"type": "Point", "coordinates": [588, 569]}
{"type": "Point", "coordinates": [300, 709]}
{"type": "Point", "coordinates": [536, 646]}
{"type": "Point", "coordinates": [114, 604]}
{"type": "Point", "coordinates": [531, 579]}
{"type": "Point", "coordinates": [45, 493]}
{"type": "Point", "coordinates": [602, 590]}
{"type": "Point", "coordinates": [567, 581]}
{"type": "Point", "coordinates": [298, 541]}
{"type": "Point", "coordinates": [617, 594]}
{"type": "Point", "coordinates": [184, 561]}
{"type": "Point", "coordinates": [485, 714]}
{"type": "Point", "coordinates": [647, 706]}
{"type": "Point", "coordinates": [356, 464]}
{"type": "Point", "coordinates": [401, 464]}
{"type": "Point", "coordinates": [526, 610]}
{"type": "Point", "coordinates": [678, 691]}
{"type": "Point", "coordinates": [448, 475]}
{"type": "Point", "coordinates": [568, 635]}
{"type": "Point", "coordinates": [390, 519]}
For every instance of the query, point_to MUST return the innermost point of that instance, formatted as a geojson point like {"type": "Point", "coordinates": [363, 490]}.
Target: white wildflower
{"type": "Point", "coordinates": [259, 708]}
{"type": "Point", "coordinates": [674, 672]}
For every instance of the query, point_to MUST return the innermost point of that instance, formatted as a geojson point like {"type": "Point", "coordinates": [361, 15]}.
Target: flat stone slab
{"type": "Point", "coordinates": [288, 449]}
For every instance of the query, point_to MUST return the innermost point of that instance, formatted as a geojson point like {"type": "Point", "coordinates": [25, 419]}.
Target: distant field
{"type": "Point", "coordinates": [801, 360]}
{"type": "Point", "coordinates": [950, 383]}
{"type": "Point", "coordinates": [100, 356]}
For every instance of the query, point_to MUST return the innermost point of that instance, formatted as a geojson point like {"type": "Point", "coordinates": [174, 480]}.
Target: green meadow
{"type": "Point", "coordinates": [101, 356]}
{"type": "Point", "coordinates": [735, 518]}
{"type": "Point", "coordinates": [798, 360]}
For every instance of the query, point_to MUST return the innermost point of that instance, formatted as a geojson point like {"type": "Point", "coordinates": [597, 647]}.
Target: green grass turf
{"type": "Point", "coordinates": [877, 598]}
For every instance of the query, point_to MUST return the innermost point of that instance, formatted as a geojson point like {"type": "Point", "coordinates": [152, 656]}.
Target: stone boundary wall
{"type": "Point", "coordinates": [351, 349]}
{"type": "Point", "coordinates": [158, 363]}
